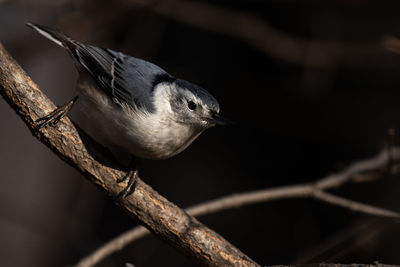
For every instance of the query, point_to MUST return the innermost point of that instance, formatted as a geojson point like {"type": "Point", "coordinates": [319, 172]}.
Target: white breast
{"type": "Point", "coordinates": [145, 135]}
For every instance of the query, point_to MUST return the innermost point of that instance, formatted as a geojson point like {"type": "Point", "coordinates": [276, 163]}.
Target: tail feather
{"type": "Point", "coordinates": [73, 47]}
{"type": "Point", "coordinates": [55, 36]}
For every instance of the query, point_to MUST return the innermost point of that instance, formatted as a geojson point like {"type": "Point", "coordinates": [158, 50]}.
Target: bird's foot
{"type": "Point", "coordinates": [56, 115]}
{"type": "Point", "coordinates": [131, 176]}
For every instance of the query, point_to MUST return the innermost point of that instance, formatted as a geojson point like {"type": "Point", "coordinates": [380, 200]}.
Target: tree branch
{"type": "Point", "coordinates": [259, 34]}
{"type": "Point", "coordinates": [360, 171]}
{"type": "Point", "coordinates": [376, 264]}
{"type": "Point", "coordinates": [160, 216]}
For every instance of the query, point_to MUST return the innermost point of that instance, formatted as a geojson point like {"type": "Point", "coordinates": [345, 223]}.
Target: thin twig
{"type": "Point", "coordinates": [353, 205]}
{"type": "Point", "coordinates": [315, 190]}
{"type": "Point", "coordinates": [258, 33]}
{"type": "Point", "coordinates": [377, 264]}
{"type": "Point", "coordinates": [160, 216]}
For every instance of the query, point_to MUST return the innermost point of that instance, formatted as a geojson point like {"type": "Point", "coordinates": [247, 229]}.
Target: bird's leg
{"type": "Point", "coordinates": [131, 177]}
{"type": "Point", "coordinates": [56, 115]}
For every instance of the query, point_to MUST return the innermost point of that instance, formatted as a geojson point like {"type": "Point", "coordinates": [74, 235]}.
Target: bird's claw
{"type": "Point", "coordinates": [131, 176]}
{"type": "Point", "coordinates": [56, 115]}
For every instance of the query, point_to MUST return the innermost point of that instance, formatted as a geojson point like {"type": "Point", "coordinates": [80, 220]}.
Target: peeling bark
{"type": "Point", "coordinates": [156, 213]}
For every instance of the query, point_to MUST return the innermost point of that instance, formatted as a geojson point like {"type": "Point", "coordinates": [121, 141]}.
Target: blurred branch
{"type": "Point", "coordinates": [391, 44]}
{"type": "Point", "coordinates": [160, 216]}
{"type": "Point", "coordinates": [377, 264]}
{"type": "Point", "coordinates": [258, 33]}
{"type": "Point", "coordinates": [361, 171]}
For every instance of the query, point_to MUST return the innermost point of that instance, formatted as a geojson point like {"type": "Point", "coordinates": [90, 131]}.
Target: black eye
{"type": "Point", "coordinates": [192, 105]}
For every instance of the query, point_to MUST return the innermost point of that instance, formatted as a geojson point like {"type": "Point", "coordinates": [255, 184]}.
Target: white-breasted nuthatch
{"type": "Point", "coordinates": [133, 106]}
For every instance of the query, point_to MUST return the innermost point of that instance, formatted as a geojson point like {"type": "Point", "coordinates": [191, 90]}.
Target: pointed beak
{"type": "Point", "coordinates": [216, 119]}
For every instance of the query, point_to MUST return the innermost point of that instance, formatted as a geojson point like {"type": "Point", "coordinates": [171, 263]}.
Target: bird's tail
{"type": "Point", "coordinates": [55, 36]}
{"type": "Point", "coordinates": [73, 47]}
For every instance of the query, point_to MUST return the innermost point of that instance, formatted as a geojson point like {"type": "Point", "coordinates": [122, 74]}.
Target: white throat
{"type": "Point", "coordinates": [160, 134]}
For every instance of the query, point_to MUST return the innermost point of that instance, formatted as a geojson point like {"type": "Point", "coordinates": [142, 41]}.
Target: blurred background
{"type": "Point", "coordinates": [311, 86]}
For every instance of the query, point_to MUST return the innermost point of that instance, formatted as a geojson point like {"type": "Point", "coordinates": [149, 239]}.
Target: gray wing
{"type": "Point", "coordinates": [124, 78]}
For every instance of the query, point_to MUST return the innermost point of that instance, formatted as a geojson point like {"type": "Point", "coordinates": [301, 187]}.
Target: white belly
{"type": "Point", "coordinates": [130, 132]}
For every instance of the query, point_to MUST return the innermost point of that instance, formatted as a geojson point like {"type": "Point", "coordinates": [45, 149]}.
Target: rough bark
{"type": "Point", "coordinates": [156, 213]}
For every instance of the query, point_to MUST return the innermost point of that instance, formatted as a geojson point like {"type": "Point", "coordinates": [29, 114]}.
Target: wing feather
{"type": "Point", "coordinates": [124, 78]}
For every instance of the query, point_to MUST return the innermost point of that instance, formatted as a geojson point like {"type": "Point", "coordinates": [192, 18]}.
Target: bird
{"type": "Point", "coordinates": [132, 107]}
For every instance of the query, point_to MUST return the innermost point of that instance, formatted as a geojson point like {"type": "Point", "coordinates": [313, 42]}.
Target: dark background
{"type": "Point", "coordinates": [310, 86]}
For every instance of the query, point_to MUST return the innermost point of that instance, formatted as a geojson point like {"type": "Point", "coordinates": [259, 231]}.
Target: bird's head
{"type": "Point", "coordinates": [188, 104]}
